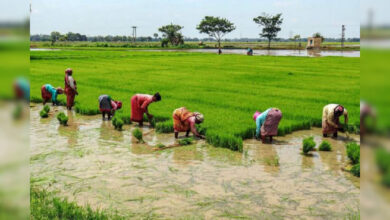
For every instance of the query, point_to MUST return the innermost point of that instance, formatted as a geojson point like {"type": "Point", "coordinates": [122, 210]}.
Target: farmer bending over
{"type": "Point", "coordinates": [185, 121]}
{"type": "Point", "coordinates": [108, 105]}
{"type": "Point", "coordinates": [330, 119]}
{"type": "Point", "coordinates": [267, 123]}
{"type": "Point", "coordinates": [70, 88]}
{"type": "Point", "coordinates": [139, 106]}
{"type": "Point", "coordinates": [49, 92]}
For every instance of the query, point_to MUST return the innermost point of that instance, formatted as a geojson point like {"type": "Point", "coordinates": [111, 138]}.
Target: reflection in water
{"type": "Point", "coordinates": [107, 168]}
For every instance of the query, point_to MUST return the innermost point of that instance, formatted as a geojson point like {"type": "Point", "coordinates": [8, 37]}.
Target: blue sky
{"type": "Point", "coordinates": [115, 17]}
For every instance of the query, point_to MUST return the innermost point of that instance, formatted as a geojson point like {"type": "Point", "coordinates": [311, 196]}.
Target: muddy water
{"type": "Point", "coordinates": [90, 162]}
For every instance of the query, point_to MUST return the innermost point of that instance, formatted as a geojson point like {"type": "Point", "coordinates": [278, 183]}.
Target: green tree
{"type": "Point", "coordinates": [54, 36]}
{"type": "Point", "coordinates": [271, 26]}
{"type": "Point", "coordinates": [171, 32]}
{"type": "Point", "coordinates": [216, 27]}
{"type": "Point", "coordinates": [155, 35]}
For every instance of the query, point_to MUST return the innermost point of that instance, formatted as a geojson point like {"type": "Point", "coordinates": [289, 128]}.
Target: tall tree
{"type": "Point", "coordinates": [216, 27]}
{"type": "Point", "coordinates": [171, 32]}
{"type": "Point", "coordinates": [271, 26]}
{"type": "Point", "coordinates": [155, 35]}
{"type": "Point", "coordinates": [54, 36]}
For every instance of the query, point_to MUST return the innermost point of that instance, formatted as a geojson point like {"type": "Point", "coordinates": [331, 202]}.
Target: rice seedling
{"type": "Point", "coordinates": [137, 133]}
{"type": "Point", "coordinates": [160, 145]}
{"type": "Point", "coordinates": [355, 170]}
{"type": "Point", "coordinates": [117, 122]}
{"type": "Point", "coordinates": [44, 205]}
{"type": "Point", "coordinates": [223, 88]}
{"type": "Point", "coordinates": [273, 161]}
{"type": "Point", "coordinates": [386, 179]}
{"type": "Point", "coordinates": [17, 112]}
{"type": "Point", "coordinates": [325, 146]}
{"type": "Point", "coordinates": [43, 113]}
{"type": "Point", "coordinates": [62, 118]}
{"type": "Point", "coordinates": [46, 108]}
{"type": "Point", "coordinates": [353, 152]}
{"type": "Point", "coordinates": [185, 141]}
{"type": "Point", "coordinates": [308, 144]}
{"type": "Point", "coordinates": [383, 163]}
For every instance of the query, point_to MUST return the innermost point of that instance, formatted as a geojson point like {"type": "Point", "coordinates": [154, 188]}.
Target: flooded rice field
{"type": "Point", "coordinates": [301, 53]}
{"type": "Point", "coordinates": [90, 162]}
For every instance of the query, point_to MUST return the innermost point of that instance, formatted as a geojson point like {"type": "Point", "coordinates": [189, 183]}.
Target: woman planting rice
{"type": "Point", "coordinates": [330, 119]}
{"type": "Point", "coordinates": [139, 106]}
{"type": "Point", "coordinates": [49, 92]}
{"type": "Point", "coordinates": [70, 88]}
{"type": "Point", "coordinates": [185, 121]}
{"type": "Point", "coordinates": [267, 123]}
{"type": "Point", "coordinates": [108, 105]}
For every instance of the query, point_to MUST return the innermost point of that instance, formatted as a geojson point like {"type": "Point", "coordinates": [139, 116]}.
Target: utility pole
{"type": "Point", "coordinates": [134, 33]}
{"type": "Point", "coordinates": [342, 35]}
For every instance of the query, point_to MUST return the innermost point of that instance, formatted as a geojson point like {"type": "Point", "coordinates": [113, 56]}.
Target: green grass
{"type": "Point", "coordinates": [308, 144]}
{"type": "Point", "coordinates": [383, 162]}
{"type": "Point", "coordinates": [325, 146]}
{"type": "Point", "coordinates": [227, 89]}
{"type": "Point", "coordinates": [44, 205]}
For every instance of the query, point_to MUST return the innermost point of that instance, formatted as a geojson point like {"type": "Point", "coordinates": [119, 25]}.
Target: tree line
{"type": "Point", "coordinates": [215, 27]}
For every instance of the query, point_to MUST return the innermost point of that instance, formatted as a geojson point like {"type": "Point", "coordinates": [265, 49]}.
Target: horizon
{"type": "Point", "coordinates": [300, 17]}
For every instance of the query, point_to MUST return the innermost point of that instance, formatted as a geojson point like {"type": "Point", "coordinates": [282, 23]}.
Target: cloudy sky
{"type": "Point", "coordinates": [115, 17]}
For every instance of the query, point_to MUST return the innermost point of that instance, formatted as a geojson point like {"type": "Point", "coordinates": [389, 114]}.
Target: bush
{"type": "Point", "coordinates": [185, 141]}
{"type": "Point", "coordinates": [353, 152]}
{"type": "Point", "coordinates": [46, 108]}
{"type": "Point", "coordinates": [355, 170]}
{"type": "Point", "coordinates": [325, 146]}
{"type": "Point", "coordinates": [137, 133]}
{"type": "Point", "coordinates": [308, 145]}
{"type": "Point", "coordinates": [117, 122]}
{"type": "Point", "coordinates": [43, 113]}
{"type": "Point", "coordinates": [62, 118]}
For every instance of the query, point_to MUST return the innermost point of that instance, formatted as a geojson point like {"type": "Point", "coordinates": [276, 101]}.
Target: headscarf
{"type": "Point", "coordinates": [69, 71]}
{"type": "Point", "coordinates": [257, 113]}
{"type": "Point", "coordinates": [119, 104]}
{"type": "Point", "coordinates": [339, 110]}
{"type": "Point", "coordinates": [199, 117]}
{"type": "Point", "coordinates": [60, 90]}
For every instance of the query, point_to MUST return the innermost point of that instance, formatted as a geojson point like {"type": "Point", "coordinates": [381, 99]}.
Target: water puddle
{"type": "Point", "coordinates": [90, 162]}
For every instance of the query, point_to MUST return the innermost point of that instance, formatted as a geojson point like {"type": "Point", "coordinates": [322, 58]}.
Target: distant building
{"type": "Point", "coordinates": [314, 43]}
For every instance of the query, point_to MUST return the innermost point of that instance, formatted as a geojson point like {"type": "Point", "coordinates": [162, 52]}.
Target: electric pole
{"type": "Point", "coordinates": [134, 33]}
{"type": "Point", "coordinates": [342, 35]}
